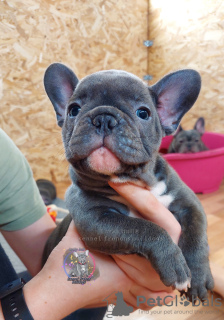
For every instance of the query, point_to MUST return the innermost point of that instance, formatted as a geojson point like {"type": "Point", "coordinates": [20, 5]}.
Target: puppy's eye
{"type": "Point", "coordinates": [73, 110]}
{"type": "Point", "coordinates": [197, 140]}
{"type": "Point", "coordinates": [143, 113]}
{"type": "Point", "coordinates": [181, 141]}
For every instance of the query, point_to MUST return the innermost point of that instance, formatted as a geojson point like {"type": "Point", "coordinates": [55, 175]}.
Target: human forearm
{"type": "Point", "coordinates": [47, 299]}
{"type": "Point", "coordinates": [29, 242]}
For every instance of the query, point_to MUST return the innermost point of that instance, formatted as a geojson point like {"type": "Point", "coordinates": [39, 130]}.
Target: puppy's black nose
{"type": "Point", "coordinates": [104, 123]}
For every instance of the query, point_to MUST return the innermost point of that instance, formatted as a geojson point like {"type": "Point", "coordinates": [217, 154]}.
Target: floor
{"type": "Point", "coordinates": [213, 204]}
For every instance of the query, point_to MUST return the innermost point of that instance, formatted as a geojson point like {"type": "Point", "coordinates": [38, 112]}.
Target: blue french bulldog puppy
{"type": "Point", "coordinates": [112, 126]}
{"type": "Point", "coordinates": [189, 141]}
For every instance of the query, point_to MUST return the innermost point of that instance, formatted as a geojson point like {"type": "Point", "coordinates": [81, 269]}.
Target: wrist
{"type": "Point", "coordinates": [50, 296]}
{"type": "Point", "coordinates": [13, 304]}
{"type": "Point", "coordinates": [48, 299]}
{"type": "Point", "coordinates": [34, 294]}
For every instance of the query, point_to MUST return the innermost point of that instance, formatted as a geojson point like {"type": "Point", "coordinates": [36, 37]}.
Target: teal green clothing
{"type": "Point", "coordinates": [20, 202]}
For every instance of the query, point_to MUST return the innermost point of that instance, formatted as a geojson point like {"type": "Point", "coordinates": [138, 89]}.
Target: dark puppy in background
{"type": "Point", "coordinates": [189, 141]}
{"type": "Point", "coordinates": [112, 126]}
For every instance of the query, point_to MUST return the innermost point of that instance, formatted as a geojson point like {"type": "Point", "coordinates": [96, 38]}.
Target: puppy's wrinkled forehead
{"type": "Point", "coordinates": [189, 135]}
{"type": "Point", "coordinates": [111, 83]}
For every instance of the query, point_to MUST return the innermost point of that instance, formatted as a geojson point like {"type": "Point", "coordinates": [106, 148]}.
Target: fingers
{"type": "Point", "coordinates": [147, 277]}
{"type": "Point", "coordinates": [142, 298]}
{"type": "Point", "coordinates": [149, 207]}
{"type": "Point", "coordinates": [139, 263]}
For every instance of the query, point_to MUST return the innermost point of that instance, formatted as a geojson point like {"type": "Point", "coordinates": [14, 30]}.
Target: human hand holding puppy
{"type": "Point", "coordinates": [134, 277]}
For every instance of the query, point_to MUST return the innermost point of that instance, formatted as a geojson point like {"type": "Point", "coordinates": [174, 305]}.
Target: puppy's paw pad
{"type": "Point", "coordinates": [183, 286]}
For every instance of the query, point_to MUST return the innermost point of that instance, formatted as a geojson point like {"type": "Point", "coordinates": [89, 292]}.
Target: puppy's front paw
{"type": "Point", "coordinates": [202, 282]}
{"type": "Point", "coordinates": [172, 268]}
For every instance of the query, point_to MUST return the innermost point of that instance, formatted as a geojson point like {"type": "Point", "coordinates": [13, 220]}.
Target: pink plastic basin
{"type": "Point", "coordinates": [203, 171]}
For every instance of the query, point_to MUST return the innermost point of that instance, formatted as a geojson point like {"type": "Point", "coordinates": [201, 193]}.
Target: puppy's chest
{"type": "Point", "coordinates": [160, 193]}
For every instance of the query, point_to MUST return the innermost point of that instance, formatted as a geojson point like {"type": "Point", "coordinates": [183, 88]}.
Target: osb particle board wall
{"type": "Point", "coordinates": [190, 34]}
{"type": "Point", "coordinates": [87, 36]}
{"type": "Point", "coordinates": [93, 35]}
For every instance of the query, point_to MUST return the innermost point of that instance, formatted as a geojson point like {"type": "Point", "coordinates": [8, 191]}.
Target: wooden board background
{"type": "Point", "coordinates": [190, 34]}
{"type": "Point", "coordinates": [86, 35]}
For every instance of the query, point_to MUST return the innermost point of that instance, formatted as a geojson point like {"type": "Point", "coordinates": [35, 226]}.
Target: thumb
{"type": "Point", "coordinates": [149, 207]}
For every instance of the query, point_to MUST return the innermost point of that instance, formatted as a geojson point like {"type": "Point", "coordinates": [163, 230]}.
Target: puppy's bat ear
{"type": "Point", "coordinates": [59, 83]}
{"type": "Point", "coordinates": [179, 129]}
{"type": "Point", "coordinates": [200, 125]}
{"type": "Point", "coordinates": [175, 94]}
